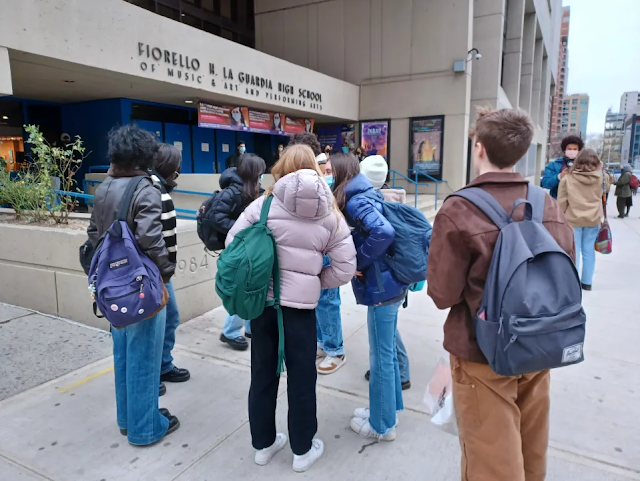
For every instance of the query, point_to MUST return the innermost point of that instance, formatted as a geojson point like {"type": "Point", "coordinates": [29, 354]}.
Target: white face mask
{"type": "Point", "coordinates": [237, 116]}
{"type": "Point", "coordinates": [571, 154]}
{"type": "Point", "coordinates": [280, 149]}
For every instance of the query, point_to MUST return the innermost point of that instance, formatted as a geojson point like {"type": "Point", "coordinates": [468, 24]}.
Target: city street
{"type": "Point", "coordinates": [57, 413]}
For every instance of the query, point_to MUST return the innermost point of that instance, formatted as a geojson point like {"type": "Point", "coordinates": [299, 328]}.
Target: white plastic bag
{"type": "Point", "coordinates": [439, 397]}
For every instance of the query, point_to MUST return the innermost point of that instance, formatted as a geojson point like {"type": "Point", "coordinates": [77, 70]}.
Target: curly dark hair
{"type": "Point", "coordinates": [132, 146]}
{"type": "Point", "coordinates": [572, 139]}
{"type": "Point", "coordinates": [308, 139]}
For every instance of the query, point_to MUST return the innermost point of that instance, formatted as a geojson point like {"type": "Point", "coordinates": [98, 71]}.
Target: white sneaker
{"type": "Point", "coordinates": [365, 413]}
{"type": "Point", "coordinates": [304, 462]}
{"type": "Point", "coordinates": [320, 355]}
{"type": "Point", "coordinates": [364, 429]}
{"type": "Point", "coordinates": [263, 456]}
{"type": "Point", "coordinates": [331, 364]}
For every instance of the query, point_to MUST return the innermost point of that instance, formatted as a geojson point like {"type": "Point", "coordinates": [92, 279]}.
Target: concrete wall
{"type": "Point", "coordinates": [105, 35]}
{"type": "Point", "coordinates": [401, 52]}
{"type": "Point", "coordinates": [39, 270]}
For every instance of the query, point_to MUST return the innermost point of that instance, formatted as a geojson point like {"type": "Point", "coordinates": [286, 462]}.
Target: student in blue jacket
{"type": "Point", "coordinates": [374, 286]}
{"type": "Point", "coordinates": [571, 145]}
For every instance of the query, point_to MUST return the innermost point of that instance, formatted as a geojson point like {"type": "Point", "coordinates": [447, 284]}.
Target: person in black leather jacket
{"type": "Point", "coordinates": [137, 348]}
{"type": "Point", "coordinates": [240, 186]}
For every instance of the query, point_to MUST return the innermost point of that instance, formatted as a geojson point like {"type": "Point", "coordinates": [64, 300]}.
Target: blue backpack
{"type": "Point", "coordinates": [531, 317]}
{"type": "Point", "coordinates": [126, 285]}
{"type": "Point", "coordinates": [407, 257]}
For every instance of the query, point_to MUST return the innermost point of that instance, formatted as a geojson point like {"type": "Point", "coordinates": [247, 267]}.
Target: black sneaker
{"type": "Point", "coordinates": [586, 287]}
{"type": "Point", "coordinates": [405, 385]}
{"type": "Point", "coordinates": [164, 411]}
{"type": "Point", "coordinates": [239, 343]}
{"type": "Point", "coordinates": [174, 424]}
{"type": "Point", "coordinates": [175, 375]}
{"type": "Point", "coordinates": [247, 335]}
{"type": "Point", "coordinates": [163, 389]}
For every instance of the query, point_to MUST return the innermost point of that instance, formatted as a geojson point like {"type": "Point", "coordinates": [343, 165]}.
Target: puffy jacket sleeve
{"type": "Point", "coordinates": [342, 253]}
{"type": "Point", "coordinates": [146, 212]}
{"type": "Point", "coordinates": [250, 216]}
{"type": "Point", "coordinates": [550, 179]}
{"type": "Point", "coordinates": [378, 233]}
{"type": "Point", "coordinates": [223, 206]}
{"type": "Point", "coordinates": [563, 195]}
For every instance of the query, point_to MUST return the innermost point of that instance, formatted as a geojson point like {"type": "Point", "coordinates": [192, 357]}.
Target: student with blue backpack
{"type": "Point", "coordinates": [127, 276]}
{"type": "Point", "coordinates": [502, 261]}
{"type": "Point", "coordinates": [391, 241]}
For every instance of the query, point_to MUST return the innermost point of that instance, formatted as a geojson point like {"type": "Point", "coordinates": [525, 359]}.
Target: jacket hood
{"type": "Point", "coordinates": [588, 178]}
{"type": "Point", "coordinates": [305, 194]}
{"type": "Point", "coordinates": [230, 177]}
{"type": "Point", "coordinates": [358, 185]}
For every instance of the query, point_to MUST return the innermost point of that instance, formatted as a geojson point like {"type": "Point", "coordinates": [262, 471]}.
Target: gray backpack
{"type": "Point", "coordinates": [531, 317]}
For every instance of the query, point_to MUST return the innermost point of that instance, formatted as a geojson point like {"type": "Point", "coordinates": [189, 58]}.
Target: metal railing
{"type": "Point", "coordinates": [416, 183]}
{"type": "Point", "coordinates": [187, 214]}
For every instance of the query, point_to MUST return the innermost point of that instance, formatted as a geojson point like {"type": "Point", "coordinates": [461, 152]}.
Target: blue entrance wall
{"type": "Point", "coordinates": [204, 159]}
{"type": "Point", "coordinates": [224, 137]}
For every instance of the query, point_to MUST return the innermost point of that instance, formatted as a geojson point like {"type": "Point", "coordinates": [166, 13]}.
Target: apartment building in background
{"type": "Point", "coordinates": [613, 137]}
{"type": "Point", "coordinates": [575, 114]}
{"type": "Point", "coordinates": [557, 129]}
{"type": "Point", "coordinates": [629, 102]}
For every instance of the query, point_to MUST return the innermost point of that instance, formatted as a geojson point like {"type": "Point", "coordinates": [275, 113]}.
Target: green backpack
{"type": "Point", "coordinates": [245, 269]}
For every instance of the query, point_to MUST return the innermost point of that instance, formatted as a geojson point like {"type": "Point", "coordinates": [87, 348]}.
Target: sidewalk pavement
{"type": "Point", "coordinates": [57, 421]}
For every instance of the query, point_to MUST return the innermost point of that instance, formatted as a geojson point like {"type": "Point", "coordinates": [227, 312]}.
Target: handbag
{"type": "Point", "coordinates": [604, 242]}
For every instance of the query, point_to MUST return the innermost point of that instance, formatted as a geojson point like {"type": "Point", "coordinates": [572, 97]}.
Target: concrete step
{"type": "Point", "coordinates": [426, 204]}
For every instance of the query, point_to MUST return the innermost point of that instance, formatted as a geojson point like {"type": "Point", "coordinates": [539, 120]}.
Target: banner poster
{"type": "Point", "coordinates": [426, 145]}
{"type": "Point", "coordinates": [375, 138]}
{"type": "Point", "coordinates": [249, 120]}
{"type": "Point", "coordinates": [337, 136]}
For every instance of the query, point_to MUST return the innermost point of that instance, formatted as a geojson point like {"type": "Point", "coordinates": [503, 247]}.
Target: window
{"type": "Point", "coordinates": [168, 12]}
{"type": "Point", "coordinates": [573, 125]}
{"type": "Point", "coordinates": [574, 101]}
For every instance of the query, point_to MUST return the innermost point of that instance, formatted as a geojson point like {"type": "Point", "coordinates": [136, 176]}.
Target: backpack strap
{"type": "Point", "coordinates": [536, 196]}
{"type": "Point", "coordinates": [486, 203]}
{"type": "Point", "coordinates": [125, 203]}
{"type": "Point", "coordinates": [264, 213]}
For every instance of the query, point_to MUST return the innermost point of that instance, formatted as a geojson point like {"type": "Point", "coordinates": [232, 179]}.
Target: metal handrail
{"type": "Point", "coordinates": [86, 182]}
{"type": "Point", "coordinates": [433, 179]}
{"type": "Point", "coordinates": [415, 182]}
{"type": "Point", "coordinates": [187, 214]}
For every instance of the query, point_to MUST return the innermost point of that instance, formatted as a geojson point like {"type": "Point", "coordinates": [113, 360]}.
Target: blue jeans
{"type": "Point", "coordinates": [585, 238]}
{"type": "Point", "coordinates": [403, 359]}
{"type": "Point", "coordinates": [329, 323]}
{"type": "Point", "coordinates": [137, 354]}
{"type": "Point", "coordinates": [385, 388]}
{"type": "Point", "coordinates": [173, 321]}
{"type": "Point", "coordinates": [233, 327]}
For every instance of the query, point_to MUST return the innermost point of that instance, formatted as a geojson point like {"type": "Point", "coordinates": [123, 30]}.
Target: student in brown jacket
{"type": "Point", "coordinates": [580, 198]}
{"type": "Point", "coordinates": [503, 421]}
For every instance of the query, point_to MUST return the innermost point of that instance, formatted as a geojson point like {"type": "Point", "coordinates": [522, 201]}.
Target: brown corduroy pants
{"type": "Point", "coordinates": [503, 422]}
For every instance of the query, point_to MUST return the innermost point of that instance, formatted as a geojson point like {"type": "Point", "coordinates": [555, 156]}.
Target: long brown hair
{"type": "Point", "coordinates": [345, 167]}
{"type": "Point", "coordinates": [587, 161]}
{"type": "Point", "coordinates": [250, 168]}
{"type": "Point", "coordinates": [293, 159]}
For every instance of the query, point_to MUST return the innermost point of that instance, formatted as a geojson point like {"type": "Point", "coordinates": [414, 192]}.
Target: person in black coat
{"type": "Point", "coordinates": [240, 186]}
{"type": "Point", "coordinates": [234, 159]}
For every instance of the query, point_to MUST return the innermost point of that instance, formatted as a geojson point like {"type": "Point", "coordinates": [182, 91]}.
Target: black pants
{"type": "Point", "coordinates": [300, 355]}
{"type": "Point", "coordinates": [624, 205]}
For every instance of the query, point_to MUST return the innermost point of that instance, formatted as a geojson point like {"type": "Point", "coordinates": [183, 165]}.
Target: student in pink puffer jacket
{"type": "Point", "coordinates": [306, 225]}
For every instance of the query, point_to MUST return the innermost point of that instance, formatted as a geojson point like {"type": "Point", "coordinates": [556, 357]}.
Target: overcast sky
{"type": "Point", "coordinates": [604, 53]}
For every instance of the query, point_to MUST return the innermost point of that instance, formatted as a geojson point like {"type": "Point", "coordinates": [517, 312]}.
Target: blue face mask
{"type": "Point", "coordinates": [261, 177]}
{"type": "Point", "coordinates": [345, 150]}
{"type": "Point", "coordinates": [329, 180]}
{"type": "Point", "coordinates": [242, 150]}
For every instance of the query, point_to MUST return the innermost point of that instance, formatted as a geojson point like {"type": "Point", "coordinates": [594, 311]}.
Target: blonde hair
{"type": "Point", "coordinates": [294, 158]}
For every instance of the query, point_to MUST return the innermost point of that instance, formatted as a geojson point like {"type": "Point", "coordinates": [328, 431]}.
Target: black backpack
{"type": "Point", "coordinates": [212, 238]}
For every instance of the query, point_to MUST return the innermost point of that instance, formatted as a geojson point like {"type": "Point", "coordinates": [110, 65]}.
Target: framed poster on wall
{"type": "Point", "coordinates": [426, 136]}
{"type": "Point", "coordinates": [374, 137]}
